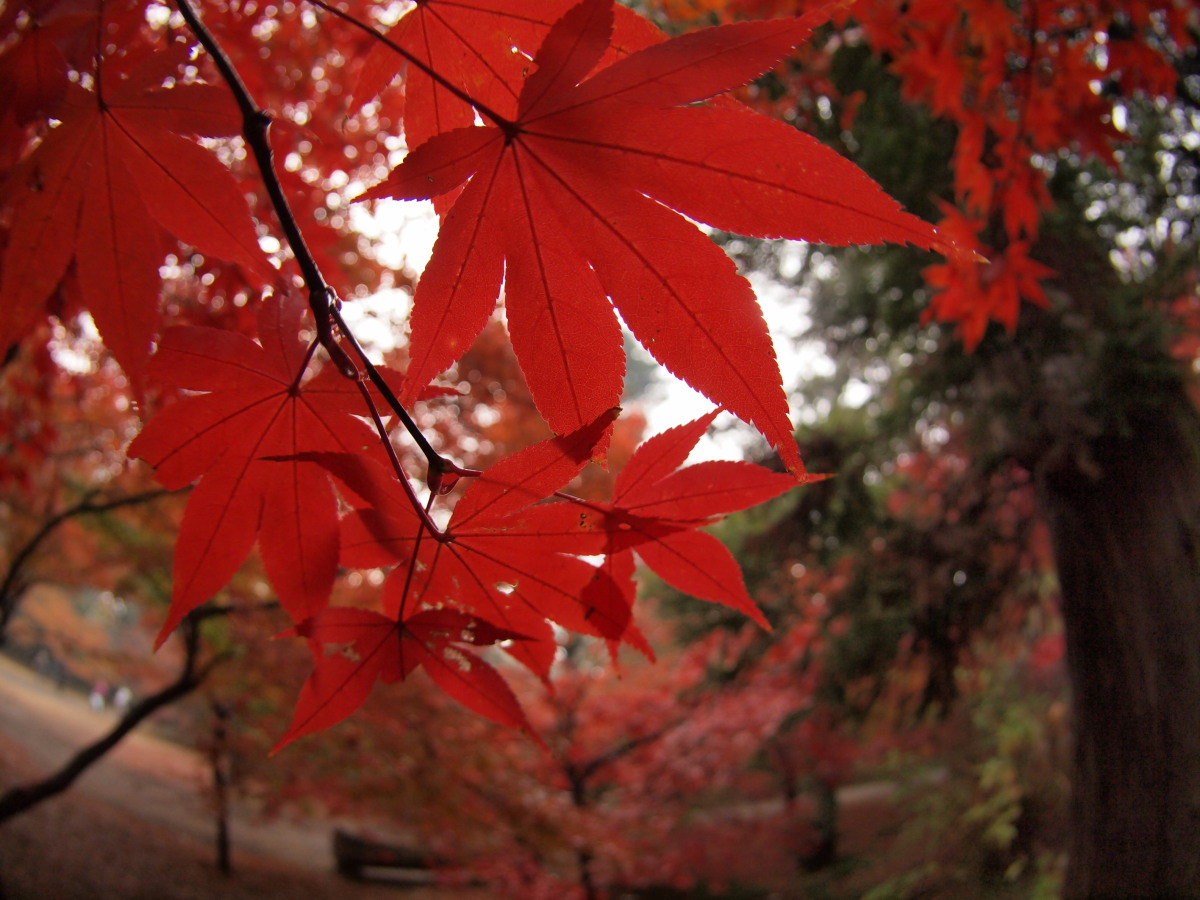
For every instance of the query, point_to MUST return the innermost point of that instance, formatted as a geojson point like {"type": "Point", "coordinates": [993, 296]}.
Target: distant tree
{"type": "Point", "coordinates": [1057, 140]}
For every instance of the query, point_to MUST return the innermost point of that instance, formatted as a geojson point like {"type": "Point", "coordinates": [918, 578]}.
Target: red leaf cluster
{"type": "Point", "coordinates": [569, 204]}
{"type": "Point", "coordinates": [570, 149]}
{"type": "Point", "coordinates": [1021, 82]}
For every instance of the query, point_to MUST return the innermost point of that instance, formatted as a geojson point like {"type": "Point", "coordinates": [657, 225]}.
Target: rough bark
{"type": "Point", "coordinates": [1125, 521]}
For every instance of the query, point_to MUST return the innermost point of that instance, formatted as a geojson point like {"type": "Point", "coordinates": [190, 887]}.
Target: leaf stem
{"type": "Point", "coordinates": [99, 57]}
{"type": "Point", "coordinates": [294, 388]}
{"type": "Point", "coordinates": [439, 466]}
{"type": "Point", "coordinates": [412, 562]}
{"type": "Point", "coordinates": [398, 467]}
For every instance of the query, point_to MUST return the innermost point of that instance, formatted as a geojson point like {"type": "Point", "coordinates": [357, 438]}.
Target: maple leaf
{"type": "Point", "coordinates": [985, 286]}
{"type": "Point", "coordinates": [480, 47]}
{"type": "Point", "coordinates": [35, 68]}
{"type": "Point", "coordinates": [369, 647]}
{"type": "Point", "coordinates": [571, 202]}
{"type": "Point", "coordinates": [510, 556]}
{"type": "Point", "coordinates": [659, 505]}
{"type": "Point", "coordinates": [243, 439]}
{"type": "Point", "coordinates": [489, 560]}
{"type": "Point", "coordinates": [470, 45]}
{"type": "Point", "coordinates": [103, 187]}
{"type": "Point", "coordinates": [657, 509]}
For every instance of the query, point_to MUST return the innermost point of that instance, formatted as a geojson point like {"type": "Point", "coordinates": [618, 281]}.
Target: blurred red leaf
{"type": "Point", "coordinates": [104, 187]}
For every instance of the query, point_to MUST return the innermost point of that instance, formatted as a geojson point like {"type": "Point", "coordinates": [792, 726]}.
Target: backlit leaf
{"type": "Point", "coordinates": [584, 178]}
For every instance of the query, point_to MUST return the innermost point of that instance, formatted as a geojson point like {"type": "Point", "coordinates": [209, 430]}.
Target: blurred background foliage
{"type": "Point", "coordinates": [904, 729]}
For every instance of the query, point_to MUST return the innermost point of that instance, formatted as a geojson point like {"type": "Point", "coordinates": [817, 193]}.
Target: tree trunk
{"type": "Point", "coordinates": [218, 761]}
{"type": "Point", "coordinates": [1126, 531]}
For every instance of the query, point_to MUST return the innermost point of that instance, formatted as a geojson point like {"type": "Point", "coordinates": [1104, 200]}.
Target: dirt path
{"type": "Point", "coordinates": [135, 825]}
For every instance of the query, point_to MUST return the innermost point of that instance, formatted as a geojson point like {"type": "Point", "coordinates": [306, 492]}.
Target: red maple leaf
{"type": "Point", "coordinates": [480, 47]}
{"type": "Point", "coordinates": [34, 68]}
{"type": "Point", "coordinates": [651, 489]}
{"type": "Point", "coordinates": [489, 560]}
{"type": "Point", "coordinates": [104, 185]}
{"type": "Point", "coordinates": [510, 558]}
{"type": "Point", "coordinates": [570, 204]}
{"type": "Point", "coordinates": [354, 648]}
{"type": "Point", "coordinates": [243, 438]}
{"type": "Point", "coordinates": [658, 508]}
{"type": "Point", "coordinates": [469, 45]}
{"type": "Point", "coordinates": [981, 285]}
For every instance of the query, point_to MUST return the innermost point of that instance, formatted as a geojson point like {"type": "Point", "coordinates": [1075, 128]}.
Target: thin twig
{"type": "Point", "coordinates": [10, 587]}
{"type": "Point", "coordinates": [439, 465]}
{"type": "Point", "coordinates": [398, 467]}
{"type": "Point", "coordinates": [23, 798]}
{"type": "Point", "coordinates": [322, 298]}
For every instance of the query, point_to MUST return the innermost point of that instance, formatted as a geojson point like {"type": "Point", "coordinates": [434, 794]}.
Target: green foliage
{"type": "Point", "coordinates": [995, 814]}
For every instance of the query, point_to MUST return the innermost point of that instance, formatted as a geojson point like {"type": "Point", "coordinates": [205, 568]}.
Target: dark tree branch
{"type": "Point", "coordinates": [322, 298]}
{"type": "Point", "coordinates": [12, 585]}
{"type": "Point", "coordinates": [255, 125]}
{"type": "Point", "coordinates": [580, 774]}
{"type": "Point", "coordinates": [21, 799]}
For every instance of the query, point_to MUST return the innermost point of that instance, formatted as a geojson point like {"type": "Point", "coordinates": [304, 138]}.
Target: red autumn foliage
{"type": "Point", "coordinates": [1021, 82]}
{"type": "Point", "coordinates": [596, 136]}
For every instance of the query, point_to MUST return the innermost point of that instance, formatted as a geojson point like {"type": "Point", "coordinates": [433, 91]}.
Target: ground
{"type": "Point", "coordinates": [136, 826]}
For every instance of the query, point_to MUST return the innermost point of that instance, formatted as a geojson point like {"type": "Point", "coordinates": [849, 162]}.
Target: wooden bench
{"type": "Point", "coordinates": [355, 856]}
